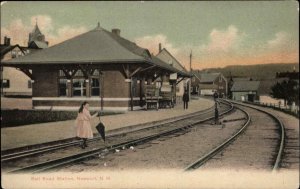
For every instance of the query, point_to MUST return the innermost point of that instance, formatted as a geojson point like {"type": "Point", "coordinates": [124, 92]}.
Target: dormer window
{"type": "Point", "coordinates": [13, 54]}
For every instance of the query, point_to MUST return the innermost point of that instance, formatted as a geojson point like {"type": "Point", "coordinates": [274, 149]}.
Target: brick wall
{"type": "Point", "coordinates": [45, 83]}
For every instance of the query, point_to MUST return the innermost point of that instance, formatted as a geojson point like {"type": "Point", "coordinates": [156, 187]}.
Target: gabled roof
{"type": "Point", "coordinates": [5, 49]}
{"type": "Point", "coordinates": [167, 57]}
{"type": "Point", "coordinates": [245, 86]}
{"type": "Point", "coordinates": [38, 44]}
{"type": "Point", "coordinates": [164, 65]}
{"type": "Point", "coordinates": [204, 77]}
{"type": "Point", "coordinates": [95, 46]}
{"type": "Point", "coordinates": [208, 86]}
{"type": "Point", "coordinates": [208, 77]}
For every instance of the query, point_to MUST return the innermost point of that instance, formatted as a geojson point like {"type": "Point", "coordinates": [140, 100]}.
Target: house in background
{"type": "Point", "coordinates": [245, 91]}
{"type": "Point", "coordinates": [15, 82]}
{"type": "Point", "coordinates": [231, 79]}
{"type": "Point", "coordinates": [180, 84]}
{"type": "Point", "coordinates": [207, 83]}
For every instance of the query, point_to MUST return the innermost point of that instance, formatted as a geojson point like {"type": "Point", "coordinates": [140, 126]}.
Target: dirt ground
{"type": "Point", "coordinates": [173, 152]}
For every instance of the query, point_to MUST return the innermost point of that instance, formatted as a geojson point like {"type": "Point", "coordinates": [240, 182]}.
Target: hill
{"type": "Point", "coordinates": [260, 71]}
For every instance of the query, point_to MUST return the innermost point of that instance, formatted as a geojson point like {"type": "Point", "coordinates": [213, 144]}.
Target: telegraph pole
{"type": "Point", "coordinates": [191, 61]}
{"type": "Point", "coordinates": [190, 81]}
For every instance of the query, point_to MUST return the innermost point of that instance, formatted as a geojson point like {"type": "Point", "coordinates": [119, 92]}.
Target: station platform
{"type": "Point", "coordinates": [20, 136]}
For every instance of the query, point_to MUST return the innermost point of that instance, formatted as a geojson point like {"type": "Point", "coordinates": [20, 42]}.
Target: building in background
{"type": "Point", "coordinates": [15, 82]}
{"type": "Point", "coordinates": [231, 79]}
{"type": "Point", "coordinates": [207, 83]}
{"type": "Point", "coordinates": [180, 84]}
{"type": "Point", "coordinates": [245, 91]}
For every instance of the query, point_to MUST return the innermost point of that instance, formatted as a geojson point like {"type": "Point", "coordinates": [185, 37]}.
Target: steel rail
{"type": "Point", "coordinates": [219, 148]}
{"type": "Point", "coordinates": [45, 166]}
{"type": "Point", "coordinates": [282, 137]}
{"type": "Point", "coordinates": [32, 152]}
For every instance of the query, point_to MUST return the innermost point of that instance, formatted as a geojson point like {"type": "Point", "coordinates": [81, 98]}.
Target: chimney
{"type": "Point", "coordinates": [116, 31]}
{"type": "Point", "coordinates": [159, 47]}
{"type": "Point", "coordinates": [6, 41]}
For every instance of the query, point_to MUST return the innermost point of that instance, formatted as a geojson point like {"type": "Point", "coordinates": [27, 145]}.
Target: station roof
{"type": "Point", "coordinates": [97, 46]}
{"type": "Point", "coordinates": [245, 86]}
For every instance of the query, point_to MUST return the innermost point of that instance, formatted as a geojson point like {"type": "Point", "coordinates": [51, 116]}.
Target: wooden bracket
{"type": "Point", "coordinates": [180, 80]}
{"type": "Point", "coordinates": [27, 72]}
{"type": "Point", "coordinates": [135, 71]}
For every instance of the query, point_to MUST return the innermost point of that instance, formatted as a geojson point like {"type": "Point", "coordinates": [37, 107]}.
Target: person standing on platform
{"type": "Point", "coordinates": [83, 124]}
{"type": "Point", "coordinates": [216, 96]}
{"type": "Point", "coordinates": [216, 112]}
{"type": "Point", "coordinates": [185, 100]}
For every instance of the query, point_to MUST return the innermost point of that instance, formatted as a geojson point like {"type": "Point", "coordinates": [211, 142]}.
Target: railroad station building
{"type": "Point", "coordinates": [99, 66]}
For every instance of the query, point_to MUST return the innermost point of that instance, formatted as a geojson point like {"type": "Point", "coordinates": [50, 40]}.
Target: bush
{"type": "Point", "coordinates": [17, 117]}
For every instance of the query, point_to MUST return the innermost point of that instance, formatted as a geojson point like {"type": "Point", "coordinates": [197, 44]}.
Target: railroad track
{"type": "Point", "coordinates": [14, 154]}
{"type": "Point", "coordinates": [199, 162]}
{"type": "Point", "coordinates": [48, 165]}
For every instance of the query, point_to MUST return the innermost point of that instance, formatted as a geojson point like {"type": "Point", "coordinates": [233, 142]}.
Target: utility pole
{"type": "Point", "coordinates": [190, 81]}
{"type": "Point", "coordinates": [191, 61]}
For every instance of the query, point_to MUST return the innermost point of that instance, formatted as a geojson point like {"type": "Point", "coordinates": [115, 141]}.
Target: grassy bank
{"type": "Point", "coordinates": [16, 117]}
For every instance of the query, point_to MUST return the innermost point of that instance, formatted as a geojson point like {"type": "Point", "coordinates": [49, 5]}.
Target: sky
{"type": "Point", "coordinates": [218, 33]}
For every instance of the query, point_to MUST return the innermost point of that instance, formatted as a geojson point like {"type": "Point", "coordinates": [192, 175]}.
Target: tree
{"type": "Point", "coordinates": [286, 90]}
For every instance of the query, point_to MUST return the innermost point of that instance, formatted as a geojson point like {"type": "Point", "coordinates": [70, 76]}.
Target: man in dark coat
{"type": "Point", "coordinates": [217, 112]}
{"type": "Point", "coordinates": [215, 95]}
{"type": "Point", "coordinates": [185, 100]}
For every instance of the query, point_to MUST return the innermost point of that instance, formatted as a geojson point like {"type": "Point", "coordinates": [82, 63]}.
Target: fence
{"type": "Point", "coordinates": [292, 110]}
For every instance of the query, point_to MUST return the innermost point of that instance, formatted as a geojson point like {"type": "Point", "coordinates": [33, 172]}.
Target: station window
{"type": "Point", "coordinates": [79, 87]}
{"type": "Point", "coordinates": [63, 90]}
{"type": "Point", "coordinates": [5, 83]}
{"type": "Point", "coordinates": [95, 87]}
{"type": "Point", "coordinates": [29, 84]}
